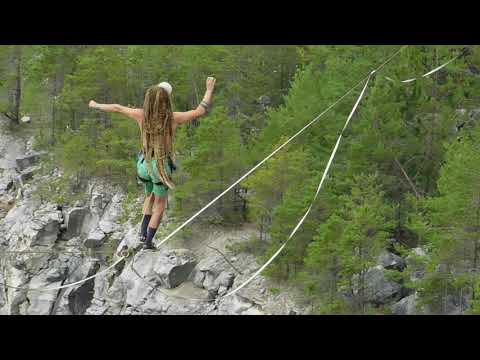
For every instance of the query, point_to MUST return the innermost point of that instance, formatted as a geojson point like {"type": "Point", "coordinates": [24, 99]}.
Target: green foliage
{"type": "Point", "coordinates": [403, 169]}
{"type": "Point", "coordinates": [348, 243]}
{"type": "Point", "coordinates": [63, 190]}
{"type": "Point", "coordinates": [130, 207]}
{"type": "Point", "coordinates": [450, 224]}
{"type": "Point", "coordinates": [253, 246]}
{"type": "Point", "coordinates": [213, 165]}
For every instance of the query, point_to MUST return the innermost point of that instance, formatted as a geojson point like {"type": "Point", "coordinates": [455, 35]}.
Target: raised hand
{"type": "Point", "coordinates": [210, 83]}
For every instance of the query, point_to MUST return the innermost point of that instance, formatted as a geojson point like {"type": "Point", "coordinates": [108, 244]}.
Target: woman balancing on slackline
{"type": "Point", "coordinates": [156, 162]}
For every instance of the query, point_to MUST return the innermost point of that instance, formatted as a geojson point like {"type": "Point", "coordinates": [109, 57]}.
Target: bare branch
{"type": "Point", "coordinates": [409, 181]}
{"type": "Point", "coordinates": [225, 259]}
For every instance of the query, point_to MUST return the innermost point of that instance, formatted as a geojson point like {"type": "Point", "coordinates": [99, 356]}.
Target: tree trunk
{"type": "Point", "coordinates": [18, 87]}
{"type": "Point", "coordinates": [476, 245]}
{"type": "Point", "coordinates": [53, 94]}
{"type": "Point", "coordinates": [15, 91]}
{"type": "Point", "coordinates": [475, 256]}
{"type": "Point", "coordinates": [72, 123]}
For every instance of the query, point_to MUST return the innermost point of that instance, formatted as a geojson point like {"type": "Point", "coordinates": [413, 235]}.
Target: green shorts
{"type": "Point", "coordinates": [152, 183]}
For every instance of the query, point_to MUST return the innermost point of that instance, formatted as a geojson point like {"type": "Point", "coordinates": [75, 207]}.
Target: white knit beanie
{"type": "Point", "coordinates": [165, 85]}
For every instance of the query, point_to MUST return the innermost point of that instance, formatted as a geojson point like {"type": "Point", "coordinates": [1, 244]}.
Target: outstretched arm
{"type": "Point", "coordinates": [134, 114]}
{"type": "Point", "coordinates": [187, 116]}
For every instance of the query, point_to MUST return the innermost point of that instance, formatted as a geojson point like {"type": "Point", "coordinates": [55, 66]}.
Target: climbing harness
{"type": "Point", "coordinates": [171, 164]}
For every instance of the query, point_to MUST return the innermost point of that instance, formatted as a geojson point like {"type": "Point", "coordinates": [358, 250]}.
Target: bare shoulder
{"type": "Point", "coordinates": [135, 114]}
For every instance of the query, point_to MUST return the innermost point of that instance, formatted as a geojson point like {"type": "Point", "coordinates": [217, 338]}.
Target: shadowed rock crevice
{"type": "Point", "coordinates": [180, 273]}
{"type": "Point", "coordinates": [80, 300]}
{"type": "Point", "coordinates": [66, 243]}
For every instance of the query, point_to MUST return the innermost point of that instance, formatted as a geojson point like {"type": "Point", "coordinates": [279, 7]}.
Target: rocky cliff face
{"type": "Point", "coordinates": [45, 245]}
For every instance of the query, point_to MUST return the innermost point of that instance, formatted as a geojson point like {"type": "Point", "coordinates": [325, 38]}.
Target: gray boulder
{"type": "Point", "coordinates": [42, 302]}
{"type": "Point", "coordinates": [238, 305]}
{"type": "Point", "coordinates": [79, 203]}
{"type": "Point", "coordinates": [175, 267]}
{"type": "Point", "coordinates": [74, 222]}
{"type": "Point", "coordinates": [26, 175]}
{"type": "Point", "coordinates": [213, 274]}
{"type": "Point", "coordinates": [409, 306]}
{"type": "Point", "coordinates": [26, 161]}
{"type": "Point", "coordinates": [142, 287]}
{"type": "Point", "coordinates": [223, 282]}
{"type": "Point", "coordinates": [109, 227]}
{"type": "Point", "coordinates": [119, 293]}
{"type": "Point", "coordinates": [389, 261]}
{"type": "Point", "coordinates": [111, 214]}
{"type": "Point", "coordinates": [75, 300]}
{"type": "Point", "coordinates": [7, 180]}
{"type": "Point", "coordinates": [94, 239]}
{"type": "Point", "coordinates": [414, 263]}
{"type": "Point", "coordinates": [99, 303]}
{"type": "Point", "coordinates": [406, 306]}
{"type": "Point", "coordinates": [418, 251]}
{"type": "Point", "coordinates": [264, 101]}
{"type": "Point", "coordinates": [455, 305]}
{"type": "Point", "coordinates": [184, 299]}
{"type": "Point", "coordinates": [90, 222]}
{"type": "Point", "coordinates": [198, 277]}
{"type": "Point", "coordinates": [379, 290]}
{"type": "Point", "coordinates": [168, 268]}
{"type": "Point", "coordinates": [96, 203]}
{"type": "Point", "coordinates": [209, 282]}
{"type": "Point", "coordinates": [43, 228]}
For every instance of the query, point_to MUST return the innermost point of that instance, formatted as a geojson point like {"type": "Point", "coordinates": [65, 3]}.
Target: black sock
{"type": "Point", "coordinates": [150, 234]}
{"type": "Point", "coordinates": [143, 228]}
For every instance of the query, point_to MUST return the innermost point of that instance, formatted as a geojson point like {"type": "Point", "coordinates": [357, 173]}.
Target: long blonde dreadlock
{"type": "Point", "coordinates": [157, 131]}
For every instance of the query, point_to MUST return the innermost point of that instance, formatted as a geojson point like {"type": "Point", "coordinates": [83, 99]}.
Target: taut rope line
{"type": "Point", "coordinates": [426, 74]}
{"type": "Point", "coordinates": [324, 176]}
{"type": "Point", "coordinates": [228, 189]}
{"type": "Point", "coordinates": [325, 172]}
{"type": "Point", "coordinates": [185, 223]}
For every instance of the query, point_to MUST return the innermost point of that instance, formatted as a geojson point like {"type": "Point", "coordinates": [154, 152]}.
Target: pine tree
{"type": "Point", "coordinates": [11, 65]}
{"type": "Point", "coordinates": [216, 161]}
{"type": "Point", "coordinates": [348, 243]}
{"type": "Point", "coordinates": [450, 226]}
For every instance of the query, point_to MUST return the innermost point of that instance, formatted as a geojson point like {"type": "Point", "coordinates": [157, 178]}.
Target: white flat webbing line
{"type": "Point", "coordinates": [256, 167]}
{"type": "Point", "coordinates": [67, 285]}
{"type": "Point", "coordinates": [224, 192]}
{"type": "Point", "coordinates": [188, 221]}
{"type": "Point", "coordinates": [325, 172]}
{"type": "Point", "coordinates": [438, 68]}
{"type": "Point", "coordinates": [424, 75]}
